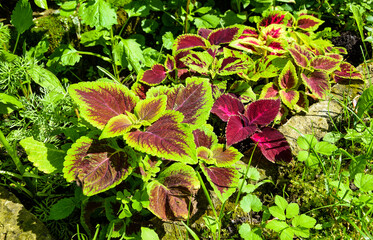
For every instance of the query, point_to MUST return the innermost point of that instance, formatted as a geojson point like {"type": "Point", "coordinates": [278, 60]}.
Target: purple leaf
{"type": "Point", "coordinates": [189, 41]}
{"type": "Point", "coordinates": [299, 59]}
{"type": "Point", "coordinates": [226, 106]}
{"type": "Point", "coordinates": [100, 101]}
{"type": "Point", "coordinates": [153, 76]}
{"type": "Point", "coordinates": [97, 166]}
{"type": "Point", "coordinates": [224, 180]}
{"type": "Point", "coordinates": [171, 195]}
{"type": "Point", "coordinates": [273, 145]}
{"type": "Point", "coordinates": [270, 90]}
{"type": "Point", "coordinates": [165, 138]}
{"type": "Point", "coordinates": [302, 104]}
{"type": "Point", "coordinates": [140, 89]}
{"type": "Point", "coordinates": [225, 157]}
{"type": "Point", "coordinates": [262, 112]}
{"type": "Point", "coordinates": [317, 82]}
{"type": "Point", "coordinates": [204, 32]}
{"type": "Point", "coordinates": [238, 129]}
{"type": "Point", "coordinates": [223, 35]}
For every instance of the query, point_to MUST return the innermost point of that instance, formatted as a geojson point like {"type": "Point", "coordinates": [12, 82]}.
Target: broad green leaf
{"type": "Point", "coordinates": [253, 174]}
{"type": "Point", "coordinates": [309, 158]}
{"type": "Point", "coordinates": [230, 18]}
{"type": "Point", "coordinates": [22, 16]}
{"type": "Point", "coordinates": [277, 225]}
{"type": "Point", "coordinates": [246, 233]}
{"type": "Point", "coordinates": [287, 234]}
{"type": "Point", "coordinates": [8, 104]}
{"type": "Point", "coordinates": [46, 79]}
{"type": "Point", "coordinates": [98, 14]}
{"type": "Point", "coordinates": [138, 8]}
{"type": "Point", "coordinates": [41, 3]}
{"type": "Point", "coordinates": [168, 40]}
{"type": "Point", "coordinates": [147, 233]}
{"type": "Point", "coordinates": [364, 182]}
{"type": "Point", "coordinates": [332, 137]}
{"type": "Point", "coordinates": [277, 212]}
{"type": "Point", "coordinates": [46, 157]}
{"type": "Point", "coordinates": [134, 53]}
{"type": "Point", "coordinates": [303, 221]}
{"type": "Point", "coordinates": [307, 141]}
{"type": "Point", "coordinates": [365, 101]}
{"type": "Point", "coordinates": [68, 8]}
{"type": "Point", "coordinates": [325, 148]}
{"type": "Point", "coordinates": [207, 21]}
{"type": "Point", "coordinates": [301, 232]}
{"type": "Point", "coordinates": [62, 209]}
{"type": "Point", "coordinates": [281, 202]}
{"type": "Point", "coordinates": [292, 210]}
{"type": "Point", "coordinates": [96, 37]}
{"type": "Point", "coordinates": [149, 25]}
{"type": "Point", "coordinates": [251, 202]}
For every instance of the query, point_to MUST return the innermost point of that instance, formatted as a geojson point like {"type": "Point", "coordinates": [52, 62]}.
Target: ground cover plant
{"type": "Point", "coordinates": [138, 113]}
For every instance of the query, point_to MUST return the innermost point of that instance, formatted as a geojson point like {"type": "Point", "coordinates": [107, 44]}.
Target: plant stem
{"type": "Point", "coordinates": [96, 55]}
{"type": "Point", "coordinates": [12, 153]}
{"type": "Point", "coordinates": [186, 18]}
{"type": "Point", "coordinates": [15, 46]}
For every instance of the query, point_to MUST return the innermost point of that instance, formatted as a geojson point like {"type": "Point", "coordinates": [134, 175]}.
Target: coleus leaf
{"type": "Point", "coordinates": [238, 129]}
{"type": "Point", "coordinates": [170, 196]}
{"type": "Point", "coordinates": [248, 44]}
{"type": "Point", "coordinates": [234, 62]}
{"type": "Point", "coordinates": [153, 76]}
{"type": "Point", "coordinates": [288, 78]}
{"type": "Point", "coordinates": [273, 31]}
{"type": "Point", "coordinates": [225, 157]}
{"type": "Point", "coordinates": [274, 17]}
{"type": "Point", "coordinates": [224, 180]}
{"type": "Point", "coordinates": [302, 104]}
{"type": "Point", "coordinates": [204, 136]}
{"type": "Point", "coordinates": [166, 138]}
{"type": "Point", "coordinates": [270, 90]}
{"type": "Point", "coordinates": [118, 125]}
{"type": "Point", "coordinates": [189, 41]}
{"type": "Point", "coordinates": [249, 32]}
{"type": "Point", "coordinates": [299, 59]}
{"type": "Point", "coordinates": [324, 63]}
{"type": "Point", "coordinates": [100, 101]}
{"type": "Point", "coordinates": [205, 154]}
{"type": "Point", "coordinates": [150, 109]}
{"type": "Point", "coordinates": [97, 166]}
{"type": "Point", "coordinates": [289, 97]}
{"type": "Point", "coordinates": [224, 35]}
{"type": "Point", "coordinates": [198, 61]}
{"type": "Point", "coordinates": [346, 72]}
{"type": "Point", "coordinates": [226, 106]}
{"type": "Point", "coordinates": [273, 144]}
{"type": "Point", "coordinates": [263, 111]}
{"type": "Point", "coordinates": [204, 32]}
{"type": "Point", "coordinates": [317, 82]}
{"type": "Point", "coordinates": [308, 22]}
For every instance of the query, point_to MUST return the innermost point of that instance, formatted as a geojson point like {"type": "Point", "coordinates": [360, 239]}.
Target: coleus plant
{"type": "Point", "coordinates": [251, 121]}
{"type": "Point", "coordinates": [283, 50]}
{"type": "Point", "coordinates": [169, 123]}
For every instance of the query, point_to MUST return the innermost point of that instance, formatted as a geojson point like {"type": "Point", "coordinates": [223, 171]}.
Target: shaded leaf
{"type": "Point", "coordinates": [61, 209]}
{"type": "Point", "coordinates": [273, 145]}
{"type": "Point", "coordinates": [22, 16]}
{"type": "Point", "coordinates": [96, 166]}
{"type": "Point", "coordinates": [238, 129]}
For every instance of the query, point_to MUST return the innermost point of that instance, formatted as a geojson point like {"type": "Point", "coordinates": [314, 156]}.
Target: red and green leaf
{"type": "Point", "coordinates": [346, 73]}
{"type": "Point", "coordinates": [100, 101]}
{"type": "Point", "coordinates": [150, 109]}
{"type": "Point", "coordinates": [273, 145]}
{"type": "Point", "coordinates": [263, 111]}
{"type": "Point", "coordinates": [205, 137]}
{"type": "Point", "coordinates": [140, 89]}
{"type": "Point", "coordinates": [189, 41]}
{"type": "Point", "coordinates": [288, 78]}
{"type": "Point", "coordinates": [224, 35]}
{"type": "Point", "coordinates": [308, 22]}
{"type": "Point", "coordinates": [289, 97]}
{"type": "Point", "coordinates": [226, 106]}
{"type": "Point", "coordinates": [299, 59]}
{"type": "Point", "coordinates": [234, 62]}
{"type": "Point", "coordinates": [317, 82]}
{"type": "Point", "coordinates": [165, 138]}
{"type": "Point", "coordinates": [249, 32]}
{"type": "Point", "coordinates": [153, 76]}
{"type": "Point", "coordinates": [198, 61]}
{"type": "Point", "coordinates": [302, 104]}
{"type": "Point", "coordinates": [325, 63]}
{"type": "Point", "coordinates": [238, 129]}
{"type": "Point", "coordinates": [224, 180]}
{"type": "Point", "coordinates": [97, 166]}
{"type": "Point", "coordinates": [270, 90]}
{"type": "Point", "coordinates": [118, 125]}
{"type": "Point", "coordinates": [248, 44]}
{"type": "Point", "coordinates": [273, 31]}
{"type": "Point", "coordinates": [274, 17]}
{"type": "Point", "coordinates": [172, 194]}
{"type": "Point", "coordinates": [225, 157]}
